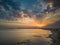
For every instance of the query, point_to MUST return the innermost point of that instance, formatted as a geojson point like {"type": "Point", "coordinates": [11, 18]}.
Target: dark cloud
{"type": "Point", "coordinates": [13, 4]}
{"type": "Point", "coordinates": [56, 25]}
{"type": "Point", "coordinates": [11, 8]}
{"type": "Point", "coordinates": [57, 3]}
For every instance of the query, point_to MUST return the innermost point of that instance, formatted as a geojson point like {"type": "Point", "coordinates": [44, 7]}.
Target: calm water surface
{"type": "Point", "coordinates": [25, 37]}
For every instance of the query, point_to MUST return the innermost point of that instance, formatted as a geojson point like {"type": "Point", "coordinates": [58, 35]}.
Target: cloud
{"type": "Point", "coordinates": [9, 9]}
{"type": "Point", "coordinates": [39, 10]}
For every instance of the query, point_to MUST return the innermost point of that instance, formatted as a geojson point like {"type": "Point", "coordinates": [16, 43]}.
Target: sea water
{"type": "Point", "coordinates": [25, 37]}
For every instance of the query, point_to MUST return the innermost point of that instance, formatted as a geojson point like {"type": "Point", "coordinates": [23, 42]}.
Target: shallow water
{"type": "Point", "coordinates": [25, 37]}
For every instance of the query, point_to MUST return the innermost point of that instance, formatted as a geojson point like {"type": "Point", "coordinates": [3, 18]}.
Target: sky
{"type": "Point", "coordinates": [30, 13]}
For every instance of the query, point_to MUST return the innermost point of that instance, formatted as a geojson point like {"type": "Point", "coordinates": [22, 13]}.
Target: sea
{"type": "Point", "coordinates": [25, 37]}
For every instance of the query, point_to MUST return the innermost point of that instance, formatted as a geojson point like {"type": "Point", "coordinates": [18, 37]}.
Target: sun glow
{"type": "Point", "coordinates": [25, 20]}
{"type": "Point", "coordinates": [48, 19]}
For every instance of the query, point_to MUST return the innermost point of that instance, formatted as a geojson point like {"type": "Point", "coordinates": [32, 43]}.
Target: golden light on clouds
{"type": "Point", "coordinates": [48, 18]}
{"type": "Point", "coordinates": [50, 4]}
{"type": "Point", "coordinates": [26, 21]}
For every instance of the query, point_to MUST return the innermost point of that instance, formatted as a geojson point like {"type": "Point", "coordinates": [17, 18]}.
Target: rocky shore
{"type": "Point", "coordinates": [56, 37]}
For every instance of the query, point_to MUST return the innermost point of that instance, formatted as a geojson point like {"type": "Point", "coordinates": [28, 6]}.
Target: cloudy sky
{"type": "Point", "coordinates": [24, 12]}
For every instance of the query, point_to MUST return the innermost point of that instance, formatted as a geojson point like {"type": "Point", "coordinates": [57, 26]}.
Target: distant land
{"type": "Point", "coordinates": [27, 27]}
